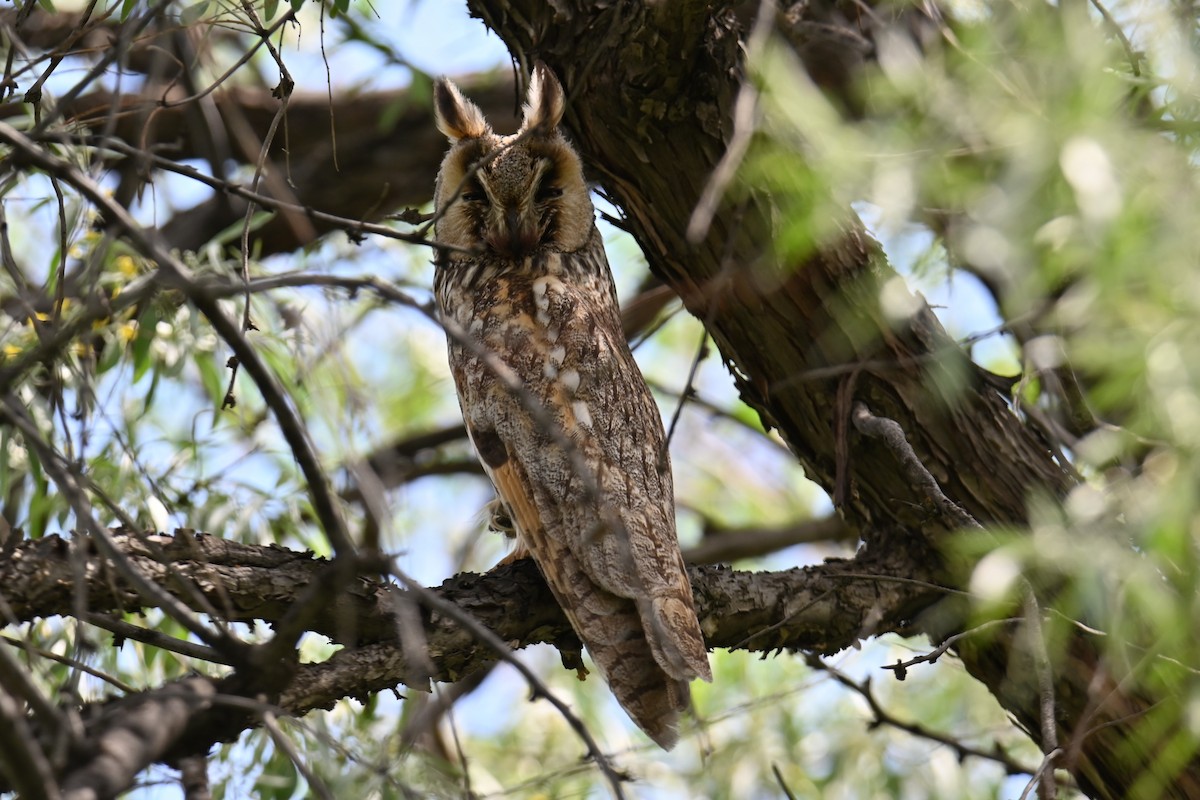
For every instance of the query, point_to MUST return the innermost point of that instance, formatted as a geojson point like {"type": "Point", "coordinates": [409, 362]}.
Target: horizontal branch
{"type": "Point", "coordinates": [822, 608]}
{"type": "Point", "coordinates": [380, 161]}
{"type": "Point", "coordinates": [721, 545]}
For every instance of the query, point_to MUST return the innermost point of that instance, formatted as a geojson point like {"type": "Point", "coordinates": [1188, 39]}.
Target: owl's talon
{"type": "Point", "coordinates": [499, 519]}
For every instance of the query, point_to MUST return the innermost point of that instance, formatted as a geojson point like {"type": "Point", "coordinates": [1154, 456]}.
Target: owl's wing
{"type": "Point", "coordinates": [630, 546]}
{"type": "Point", "coordinates": [609, 625]}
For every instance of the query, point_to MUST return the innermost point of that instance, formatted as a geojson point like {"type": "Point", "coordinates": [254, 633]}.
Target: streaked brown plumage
{"type": "Point", "coordinates": [524, 275]}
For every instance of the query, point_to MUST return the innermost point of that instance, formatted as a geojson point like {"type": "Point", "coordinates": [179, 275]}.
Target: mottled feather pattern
{"type": "Point", "coordinates": [583, 474]}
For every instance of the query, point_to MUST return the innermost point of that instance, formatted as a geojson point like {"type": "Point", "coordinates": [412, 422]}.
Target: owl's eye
{"type": "Point", "coordinates": [547, 192]}
{"type": "Point", "coordinates": [474, 197]}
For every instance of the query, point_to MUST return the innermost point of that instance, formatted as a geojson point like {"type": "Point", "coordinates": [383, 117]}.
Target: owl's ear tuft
{"type": "Point", "coordinates": [545, 102]}
{"type": "Point", "coordinates": [457, 117]}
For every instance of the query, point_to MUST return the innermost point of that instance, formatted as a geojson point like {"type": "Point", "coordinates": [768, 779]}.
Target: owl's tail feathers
{"type": "Point", "coordinates": [613, 630]}
{"type": "Point", "coordinates": [673, 633]}
{"type": "Point", "coordinates": [649, 673]}
{"type": "Point", "coordinates": [651, 698]}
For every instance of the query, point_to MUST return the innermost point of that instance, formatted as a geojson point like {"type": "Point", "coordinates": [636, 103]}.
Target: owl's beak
{"type": "Point", "coordinates": [513, 236]}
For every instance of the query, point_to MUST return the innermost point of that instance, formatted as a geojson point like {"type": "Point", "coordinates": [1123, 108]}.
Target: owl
{"type": "Point", "coordinates": [558, 412]}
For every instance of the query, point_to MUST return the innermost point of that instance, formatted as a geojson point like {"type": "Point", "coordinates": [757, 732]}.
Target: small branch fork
{"type": "Point", "coordinates": [900, 668]}
{"type": "Point", "coordinates": [883, 717]}
{"type": "Point", "coordinates": [889, 432]}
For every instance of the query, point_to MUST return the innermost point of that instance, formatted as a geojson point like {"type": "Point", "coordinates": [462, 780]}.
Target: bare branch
{"type": "Point", "coordinates": [133, 733]}
{"type": "Point", "coordinates": [730, 544]}
{"type": "Point", "coordinates": [884, 717]}
{"type": "Point", "coordinates": [823, 608]}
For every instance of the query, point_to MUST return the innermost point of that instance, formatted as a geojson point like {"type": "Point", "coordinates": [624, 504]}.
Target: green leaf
{"type": "Point", "coordinates": [296, 4]}
{"type": "Point", "coordinates": [41, 506]}
{"type": "Point", "coordinates": [194, 12]}
{"type": "Point", "coordinates": [269, 9]}
{"type": "Point", "coordinates": [147, 329]}
{"type": "Point", "coordinates": [127, 8]}
{"type": "Point", "coordinates": [233, 233]}
{"type": "Point", "coordinates": [148, 403]}
{"type": "Point", "coordinates": [110, 354]}
{"type": "Point", "coordinates": [210, 376]}
{"type": "Point", "coordinates": [48, 5]}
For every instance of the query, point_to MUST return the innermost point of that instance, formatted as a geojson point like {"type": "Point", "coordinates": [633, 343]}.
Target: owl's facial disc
{"type": "Point", "coordinates": [516, 195]}
{"type": "Point", "coordinates": [513, 236]}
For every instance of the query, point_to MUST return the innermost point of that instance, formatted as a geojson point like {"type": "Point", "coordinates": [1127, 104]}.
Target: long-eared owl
{"type": "Point", "coordinates": [554, 403]}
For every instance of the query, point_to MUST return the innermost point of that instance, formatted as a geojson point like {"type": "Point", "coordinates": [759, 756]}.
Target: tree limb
{"type": "Point", "coordinates": [820, 609]}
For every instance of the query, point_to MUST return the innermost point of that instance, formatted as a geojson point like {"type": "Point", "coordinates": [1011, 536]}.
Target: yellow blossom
{"type": "Point", "coordinates": [126, 266]}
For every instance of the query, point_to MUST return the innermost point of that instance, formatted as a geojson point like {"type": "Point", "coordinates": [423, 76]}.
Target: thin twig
{"type": "Point", "coordinates": [74, 663]}
{"type": "Point", "coordinates": [884, 717]}
{"type": "Point", "coordinates": [1043, 775]}
{"type": "Point", "coordinates": [458, 750]}
{"type": "Point", "coordinates": [1047, 789]}
{"type": "Point", "coordinates": [787, 792]}
{"type": "Point", "coordinates": [124, 630]}
{"type": "Point", "coordinates": [315, 784]}
{"type": "Point", "coordinates": [685, 395]}
{"type": "Point", "coordinates": [1115, 27]}
{"type": "Point", "coordinates": [504, 653]}
{"type": "Point", "coordinates": [119, 50]}
{"type": "Point", "coordinates": [353, 227]}
{"type": "Point", "coordinates": [900, 668]}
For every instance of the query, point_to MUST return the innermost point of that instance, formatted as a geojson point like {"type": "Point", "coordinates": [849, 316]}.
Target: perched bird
{"type": "Point", "coordinates": [554, 403]}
